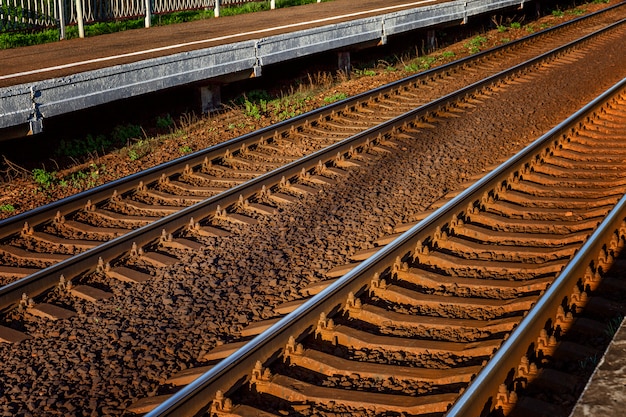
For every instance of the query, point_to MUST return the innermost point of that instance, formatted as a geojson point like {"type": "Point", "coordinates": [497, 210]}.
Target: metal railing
{"type": "Point", "coordinates": [19, 15]}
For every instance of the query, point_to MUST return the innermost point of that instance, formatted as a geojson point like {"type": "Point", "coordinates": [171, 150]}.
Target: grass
{"type": "Point", "coordinates": [558, 13]}
{"type": "Point", "coordinates": [44, 179]}
{"type": "Point", "coordinates": [7, 208]}
{"type": "Point", "coordinates": [49, 180]}
{"type": "Point", "coordinates": [476, 43]}
{"type": "Point", "coordinates": [32, 36]}
{"type": "Point", "coordinates": [335, 97]}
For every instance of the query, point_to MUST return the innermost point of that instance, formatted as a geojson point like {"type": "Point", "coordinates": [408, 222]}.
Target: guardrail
{"type": "Point", "coordinates": [17, 15]}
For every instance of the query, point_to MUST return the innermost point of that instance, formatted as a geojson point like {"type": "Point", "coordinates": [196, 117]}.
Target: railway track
{"type": "Point", "coordinates": [477, 298]}
{"type": "Point", "coordinates": [135, 257]}
{"type": "Point", "coordinates": [152, 214]}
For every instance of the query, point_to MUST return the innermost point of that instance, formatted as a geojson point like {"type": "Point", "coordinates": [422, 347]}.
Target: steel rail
{"type": "Point", "coordinates": [230, 373]}
{"type": "Point", "coordinates": [486, 384]}
{"type": "Point", "coordinates": [84, 262]}
{"type": "Point", "coordinates": [13, 225]}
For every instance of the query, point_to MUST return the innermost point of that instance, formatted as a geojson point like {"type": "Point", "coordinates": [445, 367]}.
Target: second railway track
{"type": "Point", "coordinates": [159, 251]}
{"type": "Point", "coordinates": [408, 329]}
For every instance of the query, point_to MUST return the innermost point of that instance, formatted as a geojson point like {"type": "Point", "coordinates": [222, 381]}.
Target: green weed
{"type": "Point", "coordinates": [576, 12]}
{"type": "Point", "coordinates": [76, 147]}
{"type": "Point", "coordinates": [502, 28]}
{"type": "Point", "coordinates": [133, 155]}
{"type": "Point", "coordinates": [44, 178]}
{"type": "Point", "coordinates": [613, 326]}
{"type": "Point", "coordinates": [164, 122]}
{"type": "Point", "coordinates": [123, 133]}
{"type": "Point", "coordinates": [185, 149]}
{"type": "Point", "coordinates": [365, 72]}
{"type": "Point", "coordinates": [474, 45]}
{"type": "Point", "coordinates": [335, 97]}
{"type": "Point", "coordinates": [420, 64]}
{"type": "Point", "coordinates": [252, 110]}
{"type": "Point", "coordinates": [7, 208]}
{"type": "Point", "coordinates": [516, 25]}
{"type": "Point", "coordinates": [447, 54]}
{"type": "Point", "coordinates": [588, 363]}
{"type": "Point", "coordinates": [558, 13]}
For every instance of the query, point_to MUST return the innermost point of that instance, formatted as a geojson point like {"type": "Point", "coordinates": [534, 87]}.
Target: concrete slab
{"type": "Point", "coordinates": [605, 393]}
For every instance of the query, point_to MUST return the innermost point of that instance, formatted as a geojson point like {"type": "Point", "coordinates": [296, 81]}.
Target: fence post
{"type": "Point", "coordinates": [79, 18]}
{"type": "Point", "coordinates": [272, 4]}
{"type": "Point", "coordinates": [148, 20]}
{"type": "Point", "coordinates": [61, 20]}
{"type": "Point", "coordinates": [216, 12]}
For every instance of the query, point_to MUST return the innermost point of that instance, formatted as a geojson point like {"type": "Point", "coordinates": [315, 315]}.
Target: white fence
{"type": "Point", "coordinates": [28, 14]}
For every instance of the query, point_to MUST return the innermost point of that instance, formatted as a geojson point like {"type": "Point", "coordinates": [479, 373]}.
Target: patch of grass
{"type": "Point", "coordinates": [365, 72]}
{"type": "Point", "coordinates": [76, 148]}
{"type": "Point", "coordinates": [530, 29]}
{"type": "Point", "coordinates": [253, 110]}
{"type": "Point", "coordinates": [185, 149]}
{"type": "Point", "coordinates": [165, 122]}
{"type": "Point", "coordinates": [448, 54]}
{"type": "Point", "coordinates": [558, 13]}
{"type": "Point", "coordinates": [516, 25]}
{"type": "Point", "coordinates": [335, 97]}
{"type": "Point", "coordinates": [502, 28]}
{"type": "Point", "coordinates": [589, 363]}
{"type": "Point", "coordinates": [45, 179]}
{"type": "Point", "coordinates": [613, 326]}
{"type": "Point", "coordinates": [182, 17]}
{"type": "Point", "coordinates": [137, 150]}
{"type": "Point", "coordinates": [476, 43]}
{"type": "Point", "coordinates": [133, 155]}
{"type": "Point", "coordinates": [600, 1]}
{"type": "Point", "coordinates": [576, 12]}
{"type": "Point", "coordinates": [7, 208]}
{"type": "Point", "coordinates": [421, 63]}
{"type": "Point", "coordinates": [505, 40]}
{"type": "Point", "coordinates": [124, 133]}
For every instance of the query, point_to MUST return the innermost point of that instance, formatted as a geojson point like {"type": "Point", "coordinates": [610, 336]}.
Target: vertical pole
{"type": "Point", "coordinates": [216, 13]}
{"type": "Point", "coordinates": [272, 4]}
{"type": "Point", "coordinates": [148, 20]}
{"type": "Point", "coordinates": [344, 62]}
{"type": "Point", "coordinates": [61, 20]}
{"type": "Point", "coordinates": [79, 18]}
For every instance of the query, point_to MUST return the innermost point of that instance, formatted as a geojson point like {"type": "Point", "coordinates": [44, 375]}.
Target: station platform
{"type": "Point", "coordinates": [44, 81]}
{"type": "Point", "coordinates": [605, 393]}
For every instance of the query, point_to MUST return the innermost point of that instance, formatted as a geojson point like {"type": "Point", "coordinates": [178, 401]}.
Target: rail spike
{"type": "Point", "coordinates": [221, 404]}
{"type": "Point", "coordinates": [59, 219]}
{"type": "Point", "coordinates": [27, 230]}
{"type": "Point", "coordinates": [353, 303]}
{"type": "Point", "coordinates": [26, 302]}
{"type": "Point", "coordinates": [505, 399]}
{"type": "Point", "coordinates": [260, 374]}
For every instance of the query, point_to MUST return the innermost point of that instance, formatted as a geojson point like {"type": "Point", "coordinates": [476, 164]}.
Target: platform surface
{"type": "Point", "coordinates": [605, 393]}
